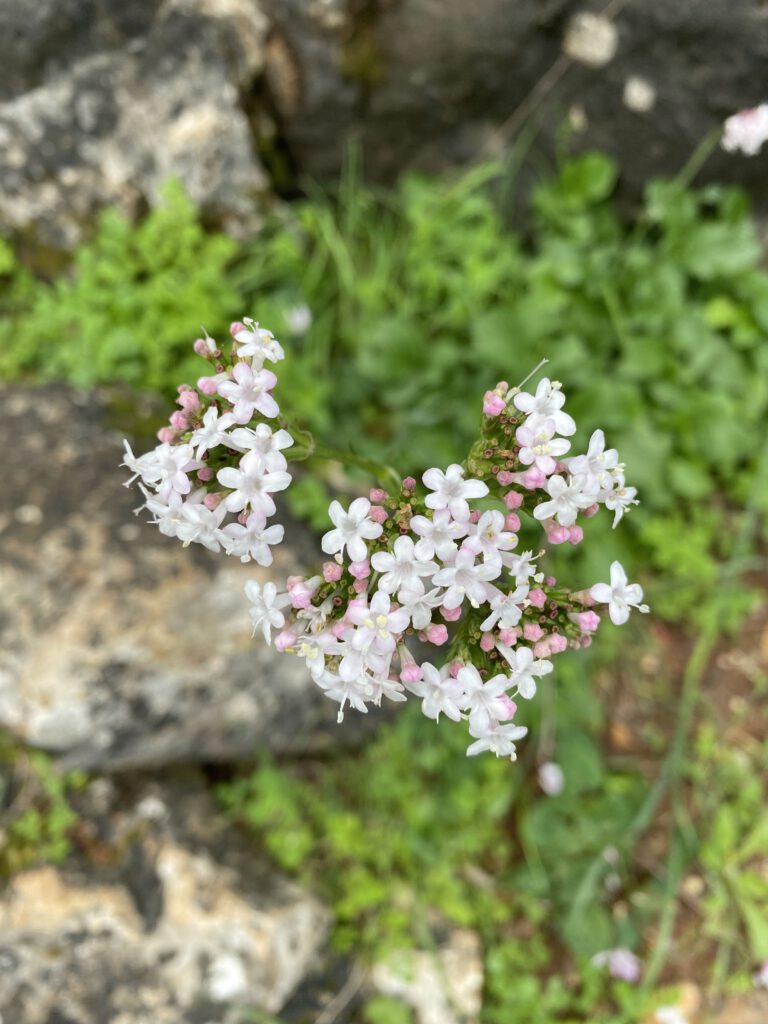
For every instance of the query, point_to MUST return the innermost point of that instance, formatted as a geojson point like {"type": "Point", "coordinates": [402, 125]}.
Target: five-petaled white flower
{"type": "Point", "coordinates": [265, 441]}
{"type": "Point", "coordinates": [440, 692]}
{"type": "Point", "coordinates": [401, 567]}
{"type": "Point", "coordinates": [506, 609]}
{"type": "Point", "coordinates": [567, 499]}
{"type": "Point", "coordinates": [266, 602]}
{"type": "Point", "coordinates": [420, 604]}
{"type": "Point", "coordinates": [213, 432]}
{"type": "Point", "coordinates": [250, 485]}
{"type": "Point", "coordinates": [438, 534]}
{"type": "Point", "coordinates": [466, 579]}
{"type": "Point", "coordinates": [546, 404]}
{"type": "Point", "coordinates": [620, 499]}
{"type": "Point", "coordinates": [257, 343]}
{"type": "Point", "coordinates": [254, 539]}
{"type": "Point", "coordinates": [499, 739]}
{"type": "Point", "coordinates": [594, 467]}
{"type": "Point", "coordinates": [489, 538]}
{"type": "Point", "coordinates": [539, 446]}
{"type": "Point", "coordinates": [249, 392]}
{"type": "Point", "coordinates": [352, 529]}
{"type": "Point", "coordinates": [483, 699]}
{"type": "Point", "coordinates": [524, 668]}
{"type": "Point", "coordinates": [619, 595]}
{"type": "Point", "coordinates": [450, 490]}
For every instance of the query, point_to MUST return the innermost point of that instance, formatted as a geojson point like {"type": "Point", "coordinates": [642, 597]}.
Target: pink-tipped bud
{"type": "Point", "coordinates": [586, 641]}
{"type": "Point", "coordinates": [360, 586]}
{"type": "Point", "coordinates": [587, 621]}
{"type": "Point", "coordinates": [179, 420]}
{"type": "Point", "coordinates": [208, 385]}
{"type": "Point", "coordinates": [456, 667]}
{"type": "Point", "coordinates": [205, 474]}
{"type": "Point", "coordinates": [557, 643]}
{"type": "Point", "coordinates": [509, 636]}
{"type": "Point", "coordinates": [509, 708]}
{"type": "Point", "coordinates": [409, 483]}
{"type": "Point", "coordinates": [292, 582]}
{"type": "Point", "coordinates": [512, 522]}
{"type": "Point", "coordinates": [332, 572]}
{"type": "Point", "coordinates": [377, 494]}
{"type": "Point", "coordinates": [591, 511]}
{"type": "Point", "coordinates": [474, 516]}
{"type": "Point", "coordinates": [533, 478]}
{"type": "Point", "coordinates": [201, 348]}
{"type": "Point", "coordinates": [436, 634]}
{"type": "Point", "coordinates": [505, 478]}
{"type": "Point", "coordinates": [361, 570]}
{"type": "Point", "coordinates": [493, 404]}
{"type": "Point", "coordinates": [559, 535]}
{"type": "Point", "coordinates": [487, 642]}
{"type": "Point", "coordinates": [537, 597]}
{"type": "Point", "coordinates": [532, 632]}
{"type": "Point", "coordinates": [513, 499]}
{"type": "Point", "coordinates": [451, 614]}
{"type": "Point", "coordinates": [166, 436]}
{"type": "Point", "coordinates": [235, 327]}
{"type": "Point", "coordinates": [575, 535]}
{"type": "Point", "coordinates": [339, 628]}
{"type": "Point", "coordinates": [189, 401]}
{"type": "Point", "coordinates": [285, 640]}
{"type": "Point", "coordinates": [212, 501]}
{"type": "Point", "coordinates": [300, 598]}
{"type": "Point", "coordinates": [411, 673]}
{"type": "Point", "coordinates": [551, 581]}
{"type": "Point", "coordinates": [541, 649]}
{"type": "Point", "coordinates": [378, 514]}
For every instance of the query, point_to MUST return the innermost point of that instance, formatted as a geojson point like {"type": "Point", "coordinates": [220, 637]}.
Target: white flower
{"type": "Point", "coordinates": [437, 534]}
{"type": "Point", "coordinates": [202, 525]}
{"type": "Point", "coordinates": [213, 431]}
{"type": "Point", "coordinates": [441, 693]}
{"type": "Point", "coordinates": [551, 778]}
{"type": "Point", "coordinates": [520, 566]}
{"type": "Point", "coordinates": [299, 318]}
{"type": "Point", "coordinates": [267, 603]}
{"type": "Point", "coordinates": [144, 465]}
{"type": "Point", "coordinates": [483, 700]}
{"type": "Point", "coordinates": [489, 538]}
{"type": "Point", "coordinates": [760, 977]}
{"type": "Point", "coordinates": [539, 446]}
{"type": "Point", "coordinates": [381, 686]}
{"type": "Point", "coordinates": [524, 668]}
{"type": "Point", "coordinates": [314, 648]}
{"type": "Point", "coordinates": [621, 963]}
{"type": "Point", "coordinates": [419, 604]}
{"type": "Point", "coordinates": [567, 499]}
{"type": "Point", "coordinates": [401, 567]}
{"type": "Point", "coordinates": [546, 404]}
{"type": "Point", "coordinates": [168, 517]}
{"type": "Point", "coordinates": [250, 392]}
{"type": "Point", "coordinates": [595, 467]}
{"type": "Point", "coordinates": [746, 131]}
{"type": "Point", "coordinates": [506, 609]}
{"type": "Point", "coordinates": [378, 625]}
{"type": "Point", "coordinates": [257, 343]}
{"type": "Point", "coordinates": [619, 595]}
{"type": "Point", "coordinates": [265, 441]}
{"type": "Point", "coordinates": [670, 1015]}
{"type": "Point", "coordinates": [353, 528]}
{"type": "Point", "coordinates": [254, 539]}
{"type": "Point", "coordinates": [250, 485]}
{"type": "Point", "coordinates": [464, 578]}
{"type": "Point", "coordinates": [620, 499]}
{"type": "Point", "coordinates": [500, 739]}
{"type": "Point", "coordinates": [352, 691]}
{"type": "Point", "coordinates": [450, 490]}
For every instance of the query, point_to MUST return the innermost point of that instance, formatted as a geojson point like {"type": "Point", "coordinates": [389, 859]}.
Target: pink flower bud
{"type": "Point", "coordinates": [212, 501]}
{"type": "Point", "coordinates": [360, 586]}
{"type": "Point", "coordinates": [559, 535]}
{"type": "Point", "coordinates": [487, 642]}
{"type": "Point", "coordinates": [512, 522]}
{"type": "Point", "coordinates": [436, 634]}
{"type": "Point", "coordinates": [505, 478]}
{"type": "Point", "coordinates": [189, 401]}
{"type": "Point", "coordinates": [512, 499]}
{"type": "Point", "coordinates": [551, 581]}
{"type": "Point", "coordinates": [533, 478]}
{"type": "Point", "coordinates": [411, 673]}
{"type": "Point", "coordinates": [339, 628]}
{"type": "Point", "coordinates": [509, 707]}
{"type": "Point", "coordinates": [208, 385]}
{"type": "Point", "coordinates": [235, 327]}
{"type": "Point", "coordinates": [586, 641]}
{"type": "Point", "coordinates": [456, 667]}
{"type": "Point", "coordinates": [332, 572]}
{"type": "Point", "coordinates": [205, 474]}
{"type": "Point", "coordinates": [537, 597]}
{"type": "Point", "coordinates": [242, 518]}
{"type": "Point", "coordinates": [378, 514]}
{"type": "Point", "coordinates": [361, 570]}
{"type": "Point", "coordinates": [300, 598]}
{"type": "Point", "coordinates": [377, 494]}
{"type": "Point", "coordinates": [575, 535]}
{"type": "Point", "coordinates": [532, 631]}
{"type": "Point", "coordinates": [202, 348]}
{"type": "Point", "coordinates": [474, 516]}
{"type": "Point", "coordinates": [557, 643]}
{"type": "Point", "coordinates": [587, 621]}
{"type": "Point", "coordinates": [451, 614]}
{"type": "Point", "coordinates": [493, 404]}
{"type": "Point", "coordinates": [179, 420]}
{"type": "Point", "coordinates": [285, 640]}
{"type": "Point", "coordinates": [293, 581]}
{"type": "Point", "coordinates": [409, 483]}
{"type": "Point", "coordinates": [591, 511]}
{"type": "Point", "coordinates": [509, 636]}
{"type": "Point", "coordinates": [541, 649]}
{"type": "Point", "coordinates": [166, 436]}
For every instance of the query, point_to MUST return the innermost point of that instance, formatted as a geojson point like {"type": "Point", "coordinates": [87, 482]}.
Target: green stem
{"type": "Point", "coordinates": [698, 158]}
{"type": "Point", "coordinates": [308, 448]}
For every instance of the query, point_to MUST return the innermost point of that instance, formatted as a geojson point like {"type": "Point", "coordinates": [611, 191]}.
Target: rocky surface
{"type": "Point", "coordinates": [118, 647]}
{"type": "Point", "coordinates": [166, 915]}
{"type": "Point", "coordinates": [101, 101]}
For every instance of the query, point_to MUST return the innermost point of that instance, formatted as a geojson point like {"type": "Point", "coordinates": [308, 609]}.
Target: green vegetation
{"type": "Point", "coordinates": [421, 298]}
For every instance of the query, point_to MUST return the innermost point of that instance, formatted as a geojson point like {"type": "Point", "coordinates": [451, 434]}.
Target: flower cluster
{"type": "Point", "coordinates": [746, 131]}
{"type": "Point", "coordinates": [426, 591]}
{"type": "Point", "coordinates": [212, 478]}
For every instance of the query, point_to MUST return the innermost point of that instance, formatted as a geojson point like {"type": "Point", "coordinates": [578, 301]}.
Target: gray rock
{"type": "Point", "coordinates": [118, 647]}
{"type": "Point", "coordinates": [103, 103]}
{"type": "Point", "coordinates": [169, 919]}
